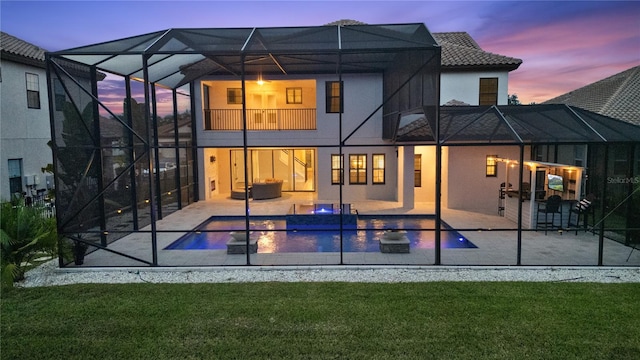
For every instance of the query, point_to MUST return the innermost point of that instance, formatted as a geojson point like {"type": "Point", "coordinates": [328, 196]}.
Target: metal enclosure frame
{"type": "Point", "coordinates": [407, 56]}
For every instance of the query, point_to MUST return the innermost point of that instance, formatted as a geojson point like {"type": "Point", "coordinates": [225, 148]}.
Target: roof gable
{"type": "Point", "coordinates": [461, 52]}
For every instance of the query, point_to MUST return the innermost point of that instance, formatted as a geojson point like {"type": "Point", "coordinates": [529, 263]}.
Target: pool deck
{"type": "Point", "coordinates": [495, 248]}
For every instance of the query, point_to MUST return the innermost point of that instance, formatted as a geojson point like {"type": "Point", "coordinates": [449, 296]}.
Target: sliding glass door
{"type": "Point", "coordinates": [295, 167]}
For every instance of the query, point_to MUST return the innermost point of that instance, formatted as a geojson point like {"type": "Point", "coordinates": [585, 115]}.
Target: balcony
{"type": "Point", "coordinates": [260, 119]}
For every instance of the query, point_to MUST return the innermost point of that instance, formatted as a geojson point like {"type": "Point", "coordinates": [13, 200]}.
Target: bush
{"type": "Point", "coordinates": [24, 235]}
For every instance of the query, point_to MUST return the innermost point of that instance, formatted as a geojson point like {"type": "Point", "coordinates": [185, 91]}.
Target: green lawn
{"type": "Point", "coordinates": [323, 321]}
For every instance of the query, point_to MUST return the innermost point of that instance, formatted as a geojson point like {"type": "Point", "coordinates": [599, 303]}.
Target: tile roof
{"type": "Point", "coordinates": [460, 51]}
{"type": "Point", "coordinates": [19, 50]}
{"type": "Point", "coordinates": [344, 22]}
{"type": "Point", "coordinates": [617, 96]}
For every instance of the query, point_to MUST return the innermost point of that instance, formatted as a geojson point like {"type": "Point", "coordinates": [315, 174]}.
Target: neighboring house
{"type": "Point", "coordinates": [24, 120]}
{"type": "Point", "coordinates": [618, 97]}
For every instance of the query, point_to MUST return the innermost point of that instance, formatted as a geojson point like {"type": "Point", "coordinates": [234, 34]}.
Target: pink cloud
{"type": "Point", "coordinates": [566, 55]}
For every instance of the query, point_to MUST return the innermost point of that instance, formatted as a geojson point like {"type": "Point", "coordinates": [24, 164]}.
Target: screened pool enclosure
{"type": "Point", "coordinates": [130, 131]}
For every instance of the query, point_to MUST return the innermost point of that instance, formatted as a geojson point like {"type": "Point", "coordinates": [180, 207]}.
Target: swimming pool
{"type": "Point", "coordinates": [273, 237]}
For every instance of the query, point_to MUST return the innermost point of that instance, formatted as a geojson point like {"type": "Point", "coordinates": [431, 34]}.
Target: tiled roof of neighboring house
{"type": "Point", "coordinates": [455, 102]}
{"type": "Point", "coordinates": [461, 52]}
{"type": "Point", "coordinates": [344, 22]}
{"type": "Point", "coordinates": [18, 50]}
{"type": "Point", "coordinates": [617, 96]}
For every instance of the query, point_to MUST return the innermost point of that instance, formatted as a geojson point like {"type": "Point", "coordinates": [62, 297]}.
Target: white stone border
{"type": "Point", "coordinates": [49, 274]}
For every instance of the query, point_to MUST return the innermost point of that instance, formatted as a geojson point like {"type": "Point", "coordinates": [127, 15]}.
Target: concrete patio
{"type": "Point", "coordinates": [494, 247]}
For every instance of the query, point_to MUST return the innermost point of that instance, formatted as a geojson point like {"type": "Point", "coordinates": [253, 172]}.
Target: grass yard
{"type": "Point", "coordinates": [323, 321]}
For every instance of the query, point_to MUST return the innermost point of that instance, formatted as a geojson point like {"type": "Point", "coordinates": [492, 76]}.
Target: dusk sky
{"type": "Point", "coordinates": [564, 45]}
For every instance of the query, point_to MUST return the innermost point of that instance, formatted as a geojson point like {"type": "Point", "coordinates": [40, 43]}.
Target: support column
{"type": "Point", "coordinates": [406, 177]}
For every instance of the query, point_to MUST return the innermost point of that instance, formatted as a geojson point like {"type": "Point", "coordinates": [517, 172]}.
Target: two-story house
{"type": "Point", "coordinates": [295, 112]}
{"type": "Point", "coordinates": [24, 119]}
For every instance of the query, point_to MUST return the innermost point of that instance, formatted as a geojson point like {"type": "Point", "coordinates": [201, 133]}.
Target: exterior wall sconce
{"type": "Point", "coordinates": [212, 159]}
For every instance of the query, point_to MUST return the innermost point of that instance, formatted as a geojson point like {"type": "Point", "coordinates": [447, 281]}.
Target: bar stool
{"type": "Point", "coordinates": [551, 206]}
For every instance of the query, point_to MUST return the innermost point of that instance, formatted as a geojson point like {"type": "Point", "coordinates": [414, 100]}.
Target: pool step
{"type": "Point", "coordinates": [394, 246]}
{"type": "Point", "coordinates": [240, 246]}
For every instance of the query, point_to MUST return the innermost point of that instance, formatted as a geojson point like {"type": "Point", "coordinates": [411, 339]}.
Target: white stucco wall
{"type": "Point", "coordinates": [468, 186]}
{"type": "Point", "coordinates": [426, 193]}
{"type": "Point", "coordinates": [24, 132]}
{"type": "Point", "coordinates": [362, 95]}
{"type": "Point", "coordinates": [350, 193]}
{"type": "Point", "coordinates": [465, 86]}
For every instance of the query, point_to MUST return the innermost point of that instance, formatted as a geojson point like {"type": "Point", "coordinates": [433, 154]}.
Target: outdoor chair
{"type": "Point", "coordinates": [581, 209]}
{"type": "Point", "coordinates": [552, 206]}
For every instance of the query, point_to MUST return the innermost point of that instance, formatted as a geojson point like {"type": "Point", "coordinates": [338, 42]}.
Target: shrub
{"type": "Point", "coordinates": [24, 235]}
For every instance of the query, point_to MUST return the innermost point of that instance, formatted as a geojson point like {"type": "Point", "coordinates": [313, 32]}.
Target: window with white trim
{"type": "Point", "coordinates": [33, 91]}
{"type": "Point", "coordinates": [337, 169]}
{"type": "Point", "coordinates": [377, 167]}
{"type": "Point", "coordinates": [358, 169]}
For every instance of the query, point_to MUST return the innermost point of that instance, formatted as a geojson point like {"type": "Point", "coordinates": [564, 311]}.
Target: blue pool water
{"type": "Point", "coordinates": [273, 237]}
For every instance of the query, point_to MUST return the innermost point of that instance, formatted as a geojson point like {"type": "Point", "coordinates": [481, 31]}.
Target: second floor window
{"type": "Point", "coordinates": [488, 91]}
{"type": "Point", "coordinates": [358, 169]}
{"type": "Point", "coordinates": [337, 172]}
{"type": "Point", "coordinates": [234, 96]}
{"type": "Point", "coordinates": [294, 95]}
{"type": "Point", "coordinates": [33, 91]}
{"type": "Point", "coordinates": [334, 96]}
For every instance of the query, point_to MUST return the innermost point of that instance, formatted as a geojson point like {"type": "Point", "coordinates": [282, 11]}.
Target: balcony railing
{"type": "Point", "coordinates": [260, 119]}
